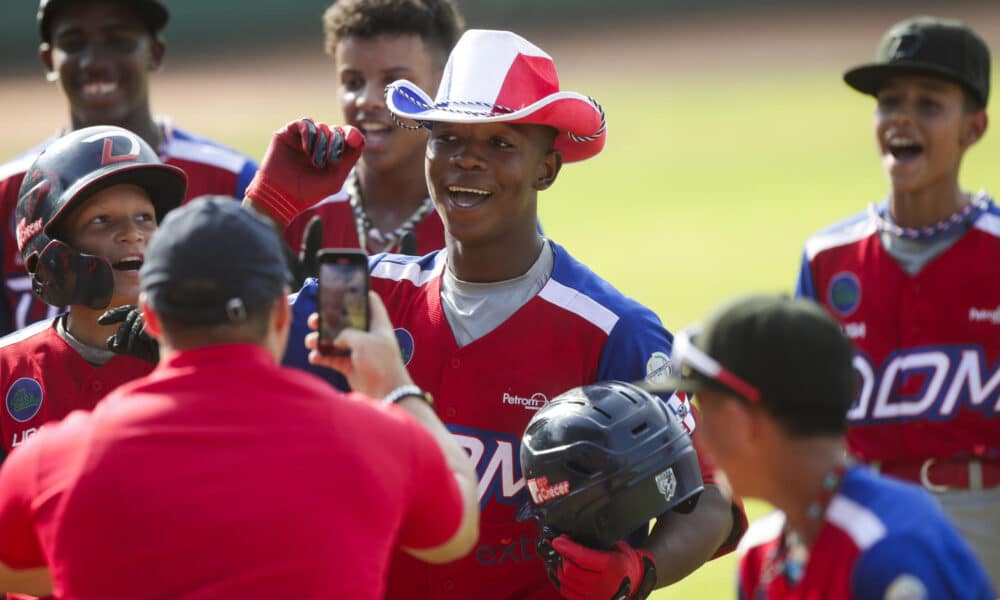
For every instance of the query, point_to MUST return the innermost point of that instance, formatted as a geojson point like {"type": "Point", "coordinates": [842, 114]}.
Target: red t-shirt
{"type": "Point", "coordinates": [223, 475]}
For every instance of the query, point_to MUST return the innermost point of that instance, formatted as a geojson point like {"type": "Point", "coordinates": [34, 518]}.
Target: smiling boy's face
{"type": "Point", "coordinates": [103, 53]}
{"type": "Point", "coordinates": [922, 129]}
{"type": "Point", "coordinates": [484, 177]}
{"type": "Point", "coordinates": [117, 224]}
{"type": "Point", "coordinates": [365, 66]}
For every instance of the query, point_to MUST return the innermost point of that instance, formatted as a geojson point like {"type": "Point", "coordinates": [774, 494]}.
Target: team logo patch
{"type": "Point", "coordinates": [844, 293]}
{"type": "Point", "coordinates": [541, 492]}
{"type": "Point", "coordinates": [906, 587]}
{"type": "Point", "coordinates": [657, 368]}
{"type": "Point", "coordinates": [405, 340]}
{"type": "Point", "coordinates": [666, 482]}
{"type": "Point", "coordinates": [24, 399]}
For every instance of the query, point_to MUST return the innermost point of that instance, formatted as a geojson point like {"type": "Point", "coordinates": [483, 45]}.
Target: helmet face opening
{"type": "Point", "coordinates": [62, 178]}
{"type": "Point", "coordinates": [602, 460]}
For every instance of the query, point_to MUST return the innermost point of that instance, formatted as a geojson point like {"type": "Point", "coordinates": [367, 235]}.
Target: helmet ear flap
{"type": "Point", "coordinates": [63, 276]}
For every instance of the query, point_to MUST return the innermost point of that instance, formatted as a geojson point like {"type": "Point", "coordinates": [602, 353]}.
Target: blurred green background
{"type": "Point", "coordinates": [731, 135]}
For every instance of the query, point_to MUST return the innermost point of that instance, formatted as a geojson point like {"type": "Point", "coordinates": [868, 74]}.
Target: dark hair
{"type": "Point", "coordinates": [437, 22]}
{"type": "Point", "coordinates": [253, 329]}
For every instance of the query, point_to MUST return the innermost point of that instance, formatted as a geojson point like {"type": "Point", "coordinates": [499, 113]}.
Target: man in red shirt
{"type": "Point", "coordinates": [225, 474]}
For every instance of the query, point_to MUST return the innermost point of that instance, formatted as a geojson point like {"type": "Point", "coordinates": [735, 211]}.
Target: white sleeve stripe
{"type": "Point", "coordinates": [25, 333]}
{"type": "Point", "coordinates": [989, 223]}
{"type": "Point", "coordinates": [409, 271]}
{"type": "Point", "coordinates": [206, 154]}
{"type": "Point", "coordinates": [864, 527]}
{"type": "Point", "coordinates": [831, 239]}
{"type": "Point", "coordinates": [575, 302]}
{"type": "Point", "coordinates": [761, 531]}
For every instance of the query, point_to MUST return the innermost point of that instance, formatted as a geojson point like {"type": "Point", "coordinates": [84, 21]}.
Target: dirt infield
{"type": "Point", "coordinates": [238, 99]}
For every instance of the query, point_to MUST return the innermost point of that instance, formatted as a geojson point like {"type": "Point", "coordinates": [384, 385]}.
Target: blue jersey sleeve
{"type": "Point", "coordinates": [244, 177]}
{"type": "Point", "coordinates": [804, 287]}
{"type": "Point", "coordinates": [303, 304]}
{"type": "Point", "coordinates": [925, 566]}
{"type": "Point", "coordinates": [637, 348]}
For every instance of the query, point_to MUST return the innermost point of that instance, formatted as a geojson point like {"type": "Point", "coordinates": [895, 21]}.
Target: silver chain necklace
{"type": "Point", "coordinates": [978, 204]}
{"type": "Point", "coordinates": [367, 230]}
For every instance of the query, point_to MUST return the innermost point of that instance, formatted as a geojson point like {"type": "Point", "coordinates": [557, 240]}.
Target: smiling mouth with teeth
{"type": "Point", "coordinates": [128, 264]}
{"type": "Point", "coordinates": [99, 88]}
{"type": "Point", "coordinates": [465, 197]}
{"type": "Point", "coordinates": [904, 148]}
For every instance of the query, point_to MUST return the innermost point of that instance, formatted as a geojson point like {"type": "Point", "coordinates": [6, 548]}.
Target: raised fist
{"type": "Point", "coordinates": [305, 162]}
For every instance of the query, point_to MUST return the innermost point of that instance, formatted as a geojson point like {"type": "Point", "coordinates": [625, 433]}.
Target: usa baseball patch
{"type": "Point", "coordinates": [844, 293]}
{"type": "Point", "coordinates": [406, 345]}
{"type": "Point", "coordinates": [24, 399]}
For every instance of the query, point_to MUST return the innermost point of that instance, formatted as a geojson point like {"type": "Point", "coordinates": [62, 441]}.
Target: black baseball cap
{"type": "Point", "coordinates": [153, 13]}
{"type": "Point", "coordinates": [786, 355]}
{"type": "Point", "coordinates": [928, 46]}
{"type": "Point", "coordinates": [212, 261]}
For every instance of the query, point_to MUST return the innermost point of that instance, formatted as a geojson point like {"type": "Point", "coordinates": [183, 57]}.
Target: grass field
{"type": "Point", "coordinates": [709, 184]}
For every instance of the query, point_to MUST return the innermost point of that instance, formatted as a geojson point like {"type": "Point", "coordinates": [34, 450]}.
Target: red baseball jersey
{"type": "Point", "coordinates": [340, 228]}
{"type": "Point", "coordinates": [880, 538]}
{"type": "Point", "coordinates": [928, 358]}
{"type": "Point", "coordinates": [42, 379]}
{"type": "Point", "coordinates": [222, 475]}
{"type": "Point", "coordinates": [210, 168]}
{"type": "Point", "coordinates": [577, 330]}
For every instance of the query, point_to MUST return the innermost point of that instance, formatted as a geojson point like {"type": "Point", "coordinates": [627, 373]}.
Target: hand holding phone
{"type": "Point", "coordinates": [343, 295]}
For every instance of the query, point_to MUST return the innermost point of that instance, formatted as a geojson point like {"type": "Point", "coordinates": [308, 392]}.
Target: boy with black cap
{"type": "Point", "coordinates": [503, 319]}
{"type": "Point", "coordinates": [223, 474]}
{"type": "Point", "coordinates": [774, 381]}
{"type": "Point", "coordinates": [914, 280]}
{"type": "Point", "coordinates": [101, 53]}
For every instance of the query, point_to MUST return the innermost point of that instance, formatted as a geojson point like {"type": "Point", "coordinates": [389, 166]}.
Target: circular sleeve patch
{"type": "Point", "coordinates": [24, 399]}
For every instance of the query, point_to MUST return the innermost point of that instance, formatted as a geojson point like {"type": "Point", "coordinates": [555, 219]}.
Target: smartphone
{"type": "Point", "coordinates": [343, 295]}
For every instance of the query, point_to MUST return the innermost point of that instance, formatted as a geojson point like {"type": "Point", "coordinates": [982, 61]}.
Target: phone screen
{"type": "Point", "coordinates": [343, 295]}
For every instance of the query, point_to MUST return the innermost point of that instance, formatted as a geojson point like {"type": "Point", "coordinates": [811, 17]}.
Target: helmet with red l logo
{"type": "Point", "coordinates": [602, 460]}
{"type": "Point", "coordinates": [66, 174]}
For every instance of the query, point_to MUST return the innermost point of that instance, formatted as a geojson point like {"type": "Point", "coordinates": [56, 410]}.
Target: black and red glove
{"type": "Point", "coordinates": [622, 573]}
{"type": "Point", "coordinates": [131, 338]}
{"type": "Point", "coordinates": [304, 163]}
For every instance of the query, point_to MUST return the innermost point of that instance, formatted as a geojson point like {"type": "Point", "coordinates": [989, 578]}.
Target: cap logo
{"type": "Point", "coordinates": [107, 153]}
{"type": "Point", "coordinates": [24, 399]}
{"type": "Point", "coordinates": [666, 482]}
{"type": "Point", "coordinates": [905, 45]}
{"type": "Point", "coordinates": [844, 293]}
{"type": "Point", "coordinates": [541, 492]}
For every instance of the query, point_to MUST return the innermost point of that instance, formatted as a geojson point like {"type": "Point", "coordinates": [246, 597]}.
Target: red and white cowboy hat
{"type": "Point", "coordinates": [498, 76]}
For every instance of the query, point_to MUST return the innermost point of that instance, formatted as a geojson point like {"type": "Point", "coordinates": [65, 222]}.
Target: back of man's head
{"type": "Point", "coordinates": [213, 273]}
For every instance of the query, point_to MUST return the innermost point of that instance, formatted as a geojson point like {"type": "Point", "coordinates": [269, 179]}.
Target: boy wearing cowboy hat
{"type": "Point", "coordinates": [503, 319]}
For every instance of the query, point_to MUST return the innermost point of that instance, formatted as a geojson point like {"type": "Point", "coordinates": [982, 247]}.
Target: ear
{"type": "Point", "coordinates": [975, 128]}
{"type": "Point", "coordinates": [45, 54]}
{"type": "Point", "coordinates": [157, 50]}
{"type": "Point", "coordinates": [281, 315]}
{"type": "Point", "coordinates": [149, 318]}
{"type": "Point", "coordinates": [548, 170]}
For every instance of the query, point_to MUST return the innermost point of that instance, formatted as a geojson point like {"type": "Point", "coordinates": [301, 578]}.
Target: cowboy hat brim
{"type": "Point", "coordinates": [577, 118]}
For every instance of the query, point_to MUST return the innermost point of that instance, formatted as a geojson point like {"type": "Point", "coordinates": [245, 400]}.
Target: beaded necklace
{"type": "Point", "coordinates": [788, 559]}
{"type": "Point", "coordinates": [367, 230]}
{"type": "Point", "coordinates": [979, 203]}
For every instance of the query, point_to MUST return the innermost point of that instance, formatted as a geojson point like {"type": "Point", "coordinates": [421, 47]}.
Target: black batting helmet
{"type": "Point", "coordinates": [64, 175]}
{"type": "Point", "coordinates": [602, 460]}
{"type": "Point", "coordinates": [153, 14]}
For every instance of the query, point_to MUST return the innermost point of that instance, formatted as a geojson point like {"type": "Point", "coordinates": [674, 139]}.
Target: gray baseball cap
{"type": "Point", "coordinates": [211, 261]}
{"type": "Point", "coordinates": [928, 46]}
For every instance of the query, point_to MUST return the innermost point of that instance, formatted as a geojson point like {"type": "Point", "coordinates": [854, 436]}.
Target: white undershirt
{"type": "Point", "coordinates": [475, 309]}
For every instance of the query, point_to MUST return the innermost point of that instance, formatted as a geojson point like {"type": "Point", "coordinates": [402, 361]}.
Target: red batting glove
{"type": "Point", "coordinates": [622, 573]}
{"type": "Point", "coordinates": [305, 163]}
